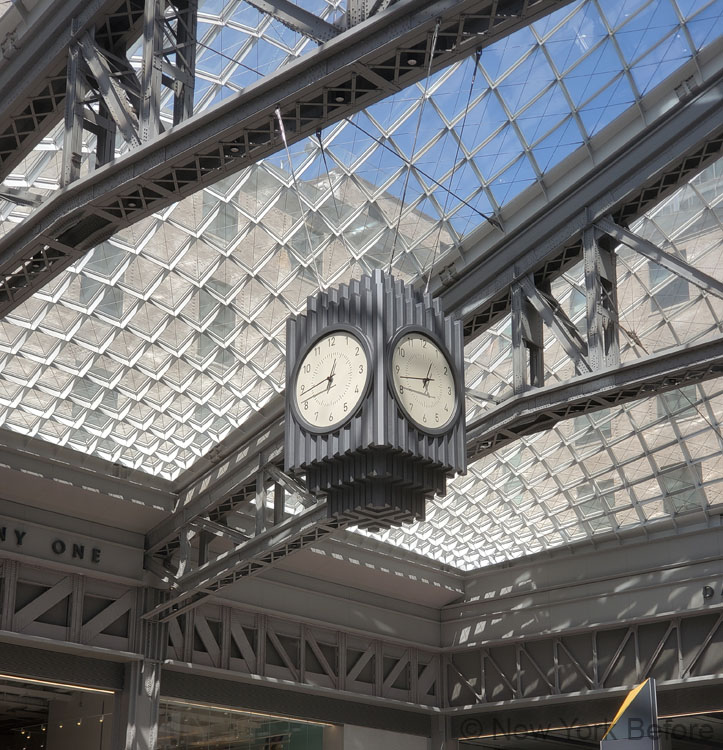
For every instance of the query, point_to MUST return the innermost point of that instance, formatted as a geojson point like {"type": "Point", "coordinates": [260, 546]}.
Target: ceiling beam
{"type": "Point", "coordinates": [298, 19]}
{"type": "Point", "coordinates": [635, 166]}
{"type": "Point", "coordinates": [357, 68]}
{"type": "Point", "coordinates": [33, 82]}
{"type": "Point", "coordinates": [542, 408]}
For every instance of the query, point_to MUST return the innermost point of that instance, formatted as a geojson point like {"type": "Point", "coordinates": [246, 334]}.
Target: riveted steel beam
{"type": "Point", "coordinates": [298, 19]}
{"type": "Point", "coordinates": [662, 257]}
{"type": "Point", "coordinates": [357, 68]}
{"type": "Point", "coordinates": [541, 409]}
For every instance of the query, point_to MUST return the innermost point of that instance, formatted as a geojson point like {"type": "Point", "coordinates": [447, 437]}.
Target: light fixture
{"type": "Point", "coordinates": [51, 683]}
{"type": "Point", "coordinates": [242, 712]}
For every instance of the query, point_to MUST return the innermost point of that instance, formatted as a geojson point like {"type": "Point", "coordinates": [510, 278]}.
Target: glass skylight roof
{"type": "Point", "coordinates": [164, 339]}
{"type": "Point", "coordinates": [614, 469]}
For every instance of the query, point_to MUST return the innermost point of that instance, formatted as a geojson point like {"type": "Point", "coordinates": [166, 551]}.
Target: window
{"type": "Point", "coordinates": [681, 488]}
{"type": "Point", "coordinates": [678, 403]}
{"type": "Point", "coordinates": [513, 488]}
{"type": "Point", "coordinates": [224, 225]}
{"type": "Point", "coordinates": [673, 291]}
{"type": "Point", "coordinates": [222, 325]}
{"type": "Point", "coordinates": [592, 428]}
{"type": "Point", "coordinates": [104, 262]}
{"type": "Point", "coordinates": [596, 499]}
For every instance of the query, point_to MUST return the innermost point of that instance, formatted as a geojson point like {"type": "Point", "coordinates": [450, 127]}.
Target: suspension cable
{"type": "Point", "coordinates": [414, 143]}
{"type": "Point", "coordinates": [454, 167]}
{"type": "Point", "coordinates": [304, 213]}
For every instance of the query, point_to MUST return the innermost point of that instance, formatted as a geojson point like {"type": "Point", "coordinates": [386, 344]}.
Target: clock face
{"type": "Point", "coordinates": [331, 380]}
{"type": "Point", "coordinates": [423, 382]}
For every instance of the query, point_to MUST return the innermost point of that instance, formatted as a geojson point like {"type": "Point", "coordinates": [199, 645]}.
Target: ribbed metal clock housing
{"type": "Point", "coordinates": [377, 468]}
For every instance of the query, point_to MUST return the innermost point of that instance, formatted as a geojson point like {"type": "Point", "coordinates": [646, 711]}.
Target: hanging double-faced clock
{"type": "Point", "coordinates": [375, 400]}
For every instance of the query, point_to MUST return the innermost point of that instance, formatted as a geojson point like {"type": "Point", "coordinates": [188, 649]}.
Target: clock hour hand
{"type": "Point", "coordinates": [427, 379]}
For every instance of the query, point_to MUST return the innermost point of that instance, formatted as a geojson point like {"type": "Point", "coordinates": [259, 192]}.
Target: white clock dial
{"type": "Point", "coordinates": [423, 382]}
{"type": "Point", "coordinates": [331, 380]}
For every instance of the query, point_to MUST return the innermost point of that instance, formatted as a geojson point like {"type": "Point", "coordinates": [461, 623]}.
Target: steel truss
{"type": "Point", "coordinates": [642, 172]}
{"type": "Point", "coordinates": [602, 382]}
{"type": "Point", "coordinates": [260, 645]}
{"type": "Point", "coordinates": [29, 593]}
{"type": "Point", "coordinates": [189, 589]}
{"type": "Point", "coordinates": [33, 83]}
{"type": "Point", "coordinates": [671, 649]}
{"type": "Point", "coordinates": [104, 95]}
{"type": "Point", "coordinates": [226, 636]}
{"type": "Point", "coordinates": [541, 409]}
{"type": "Point", "coordinates": [355, 69]}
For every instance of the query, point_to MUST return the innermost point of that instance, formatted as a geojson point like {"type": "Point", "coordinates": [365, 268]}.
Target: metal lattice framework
{"type": "Point", "coordinates": [229, 637]}
{"type": "Point", "coordinates": [205, 296]}
{"type": "Point", "coordinates": [350, 73]}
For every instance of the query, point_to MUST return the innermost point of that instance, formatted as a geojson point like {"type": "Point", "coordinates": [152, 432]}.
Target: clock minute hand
{"type": "Point", "coordinates": [318, 393]}
{"type": "Point", "coordinates": [421, 393]}
{"type": "Point", "coordinates": [414, 377]}
{"type": "Point", "coordinates": [331, 376]}
{"type": "Point", "coordinates": [425, 383]}
{"type": "Point", "coordinates": [323, 380]}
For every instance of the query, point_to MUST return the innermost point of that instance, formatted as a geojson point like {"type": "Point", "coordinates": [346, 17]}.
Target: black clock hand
{"type": "Point", "coordinates": [427, 379]}
{"type": "Point", "coordinates": [318, 393]}
{"type": "Point", "coordinates": [413, 377]}
{"type": "Point", "coordinates": [421, 393]}
{"type": "Point", "coordinates": [311, 387]}
{"type": "Point", "coordinates": [331, 375]}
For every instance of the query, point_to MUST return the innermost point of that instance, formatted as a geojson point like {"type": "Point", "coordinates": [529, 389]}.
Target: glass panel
{"type": "Point", "coordinates": [211, 727]}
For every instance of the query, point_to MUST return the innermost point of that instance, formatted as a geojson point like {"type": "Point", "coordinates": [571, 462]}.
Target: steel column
{"type": "Point", "coordinates": [601, 293]}
{"type": "Point", "coordinates": [152, 71]}
{"type": "Point", "coordinates": [528, 368]}
{"type": "Point", "coordinates": [185, 51]}
{"type": "Point", "coordinates": [135, 716]}
{"type": "Point", "coordinates": [73, 136]}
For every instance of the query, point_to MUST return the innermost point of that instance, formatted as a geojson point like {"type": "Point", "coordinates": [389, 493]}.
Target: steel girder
{"type": "Point", "coordinates": [246, 559]}
{"type": "Point", "coordinates": [651, 165]}
{"type": "Point", "coordinates": [541, 408]}
{"type": "Point", "coordinates": [355, 69]}
{"type": "Point", "coordinates": [33, 82]}
{"type": "Point", "coordinates": [677, 649]}
{"type": "Point", "coordinates": [298, 19]}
